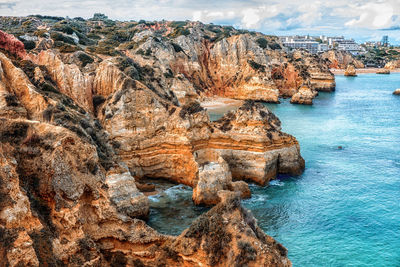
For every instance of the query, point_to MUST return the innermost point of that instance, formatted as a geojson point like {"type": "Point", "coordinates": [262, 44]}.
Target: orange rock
{"type": "Point", "coordinates": [350, 71]}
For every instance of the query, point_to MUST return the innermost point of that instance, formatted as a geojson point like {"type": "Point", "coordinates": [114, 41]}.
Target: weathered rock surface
{"type": "Point", "coordinates": [350, 71]}
{"type": "Point", "coordinates": [240, 66]}
{"type": "Point", "coordinates": [67, 199]}
{"type": "Point", "coordinates": [391, 65]}
{"type": "Point", "coordinates": [251, 142]}
{"type": "Point", "coordinates": [87, 114]}
{"type": "Point", "coordinates": [383, 71]}
{"type": "Point", "coordinates": [304, 96]}
{"type": "Point", "coordinates": [341, 59]}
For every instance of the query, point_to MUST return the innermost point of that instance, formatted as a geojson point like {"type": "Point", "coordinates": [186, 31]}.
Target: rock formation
{"type": "Point", "coordinates": [79, 129]}
{"type": "Point", "coordinates": [341, 59]}
{"type": "Point", "coordinates": [396, 92]}
{"type": "Point", "coordinates": [383, 71]}
{"type": "Point", "coordinates": [67, 199]}
{"type": "Point", "coordinates": [304, 96]}
{"type": "Point", "coordinates": [11, 44]}
{"type": "Point", "coordinates": [391, 65]}
{"type": "Point", "coordinates": [350, 71]}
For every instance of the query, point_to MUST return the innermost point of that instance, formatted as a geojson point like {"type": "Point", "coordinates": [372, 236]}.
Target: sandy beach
{"type": "Point", "coordinates": [360, 71]}
{"type": "Point", "coordinates": [216, 103]}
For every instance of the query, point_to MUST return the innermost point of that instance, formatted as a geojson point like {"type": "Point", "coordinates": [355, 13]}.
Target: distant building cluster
{"type": "Point", "coordinates": [383, 43]}
{"type": "Point", "coordinates": [320, 44]}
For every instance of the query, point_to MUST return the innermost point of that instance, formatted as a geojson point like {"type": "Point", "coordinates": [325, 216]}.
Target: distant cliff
{"type": "Point", "coordinates": [341, 59]}
{"type": "Point", "coordinates": [190, 59]}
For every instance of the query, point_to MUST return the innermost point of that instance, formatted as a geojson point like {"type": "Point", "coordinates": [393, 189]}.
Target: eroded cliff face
{"type": "Point", "coordinates": [240, 66]}
{"type": "Point", "coordinates": [391, 65]}
{"type": "Point", "coordinates": [341, 59]}
{"type": "Point", "coordinates": [79, 129]}
{"type": "Point", "coordinates": [68, 199]}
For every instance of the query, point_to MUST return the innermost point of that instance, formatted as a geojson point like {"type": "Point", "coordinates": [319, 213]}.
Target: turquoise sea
{"type": "Point", "coordinates": [345, 209]}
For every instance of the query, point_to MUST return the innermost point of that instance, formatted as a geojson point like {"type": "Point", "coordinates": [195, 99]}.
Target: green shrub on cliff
{"type": "Point", "coordinates": [119, 36]}
{"type": "Point", "coordinates": [40, 33]}
{"type": "Point", "coordinates": [178, 32]}
{"type": "Point", "coordinates": [256, 66]}
{"type": "Point", "coordinates": [178, 24]}
{"type": "Point", "coordinates": [56, 36]}
{"type": "Point", "coordinates": [262, 42]}
{"type": "Point", "coordinates": [66, 48]}
{"type": "Point", "coordinates": [190, 108]}
{"type": "Point", "coordinates": [177, 48]}
{"type": "Point", "coordinates": [85, 59]}
{"type": "Point", "coordinates": [275, 46]}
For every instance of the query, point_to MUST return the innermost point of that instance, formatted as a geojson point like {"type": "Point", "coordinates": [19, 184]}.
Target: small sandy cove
{"type": "Point", "coordinates": [361, 71]}
{"type": "Point", "coordinates": [216, 103]}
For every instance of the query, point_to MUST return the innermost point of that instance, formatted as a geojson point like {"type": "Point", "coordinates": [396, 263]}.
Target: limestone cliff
{"type": "Point", "coordinates": [78, 129]}
{"type": "Point", "coordinates": [393, 64]}
{"type": "Point", "coordinates": [341, 59]}
{"type": "Point", "coordinates": [67, 199]}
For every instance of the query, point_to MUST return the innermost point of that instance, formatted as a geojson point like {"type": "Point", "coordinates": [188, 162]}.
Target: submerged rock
{"type": "Point", "coordinates": [341, 59]}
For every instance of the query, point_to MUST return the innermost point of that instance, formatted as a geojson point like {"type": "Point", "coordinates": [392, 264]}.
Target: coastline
{"type": "Point", "coordinates": [218, 103]}
{"type": "Point", "coordinates": [360, 71]}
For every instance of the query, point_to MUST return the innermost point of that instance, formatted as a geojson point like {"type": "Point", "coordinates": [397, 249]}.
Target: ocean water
{"type": "Point", "coordinates": [345, 209]}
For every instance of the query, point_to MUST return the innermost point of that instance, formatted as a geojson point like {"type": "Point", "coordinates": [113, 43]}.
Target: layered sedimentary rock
{"type": "Point", "coordinates": [341, 59]}
{"type": "Point", "coordinates": [251, 141]}
{"type": "Point", "coordinates": [350, 71]}
{"type": "Point", "coordinates": [240, 66]}
{"type": "Point", "coordinates": [67, 199]}
{"type": "Point", "coordinates": [79, 129]}
{"type": "Point", "coordinates": [159, 140]}
{"type": "Point", "coordinates": [304, 96]}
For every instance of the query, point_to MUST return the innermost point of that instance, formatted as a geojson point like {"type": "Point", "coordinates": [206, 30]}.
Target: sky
{"type": "Point", "coordinates": [362, 20]}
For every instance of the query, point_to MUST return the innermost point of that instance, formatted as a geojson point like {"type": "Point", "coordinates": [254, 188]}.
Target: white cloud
{"type": "Point", "coordinates": [374, 16]}
{"type": "Point", "coordinates": [251, 19]}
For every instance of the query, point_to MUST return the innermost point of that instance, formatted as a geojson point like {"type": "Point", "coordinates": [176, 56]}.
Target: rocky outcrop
{"type": "Point", "coordinates": [228, 235]}
{"type": "Point", "coordinates": [304, 96]}
{"type": "Point", "coordinates": [350, 71]}
{"type": "Point", "coordinates": [159, 140]}
{"type": "Point", "coordinates": [252, 143]}
{"type": "Point", "coordinates": [66, 198]}
{"type": "Point", "coordinates": [383, 71]}
{"type": "Point", "coordinates": [341, 59]}
{"type": "Point", "coordinates": [396, 92]}
{"type": "Point", "coordinates": [87, 114]}
{"type": "Point", "coordinates": [240, 66]}
{"type": "Point", "coordinates": [11, 44]}
{"type": "Point", "coordinates": [316, 73]}
{"type": "Point", "coordinates": [391, 65]}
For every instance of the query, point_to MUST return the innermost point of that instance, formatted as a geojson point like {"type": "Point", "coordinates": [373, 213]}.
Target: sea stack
{"type": "Point", "coordinates": [304, 96]}
{"type": "Point", "coordinates": [350, 71]}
